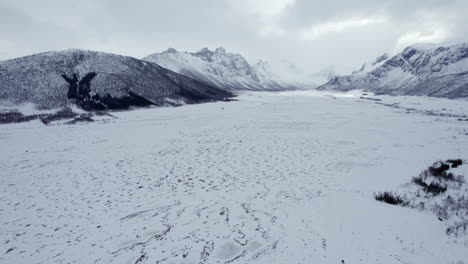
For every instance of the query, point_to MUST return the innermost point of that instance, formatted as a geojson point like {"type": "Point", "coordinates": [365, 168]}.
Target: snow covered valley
{"type": "Point", "coordinates": [271, 178]}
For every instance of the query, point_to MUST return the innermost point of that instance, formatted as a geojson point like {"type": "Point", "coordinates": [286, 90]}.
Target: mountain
{"type": "Point", "coordinates": [226, 70]}
{"type": "Point", "coordinates": [106, 80]}
{"type": "Point", "coordinates": [437, 72]}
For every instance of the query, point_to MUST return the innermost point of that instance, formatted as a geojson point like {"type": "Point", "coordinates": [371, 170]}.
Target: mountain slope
{"type": "Point", "coordinates": [438, 72]}
{"type": "Point", "coordinates": [226, 70]}
{"type": "Point", "coordinates": [40, 79]}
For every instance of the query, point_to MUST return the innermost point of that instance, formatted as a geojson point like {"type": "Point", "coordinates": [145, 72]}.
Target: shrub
{"type": "Point", "coordinates": [439, 170]}
{"type": "Point", "coordinates": [419, 181]}
{"type": "Point", "coordinates": [388, 197]}
{"type": "Point", "coordinates": [455, 162]}
{"type": "Point", "coordinates": [446, 176]}
{"type": "Point", "coordinates": [435, 188]}
{"type": "Point", "coordinates": [458, 228]}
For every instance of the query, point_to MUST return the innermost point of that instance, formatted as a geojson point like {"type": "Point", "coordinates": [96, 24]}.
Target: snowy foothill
{"type": "Point", "coordinates": [271, 178]}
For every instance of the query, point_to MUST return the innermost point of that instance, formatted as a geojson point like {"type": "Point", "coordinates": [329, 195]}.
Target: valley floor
{"type": "Point", "coordinates": [271, 178]}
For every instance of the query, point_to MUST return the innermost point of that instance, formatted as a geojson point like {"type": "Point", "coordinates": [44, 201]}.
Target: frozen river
{"type": "Point", "coordinates": [271, 178]}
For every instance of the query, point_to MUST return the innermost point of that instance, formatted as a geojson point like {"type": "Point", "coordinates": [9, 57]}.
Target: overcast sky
{"type": "Point", "coordinates": [312, 34]}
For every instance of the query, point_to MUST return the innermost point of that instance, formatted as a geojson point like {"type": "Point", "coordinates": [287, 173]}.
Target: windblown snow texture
{"type": "Point", "coordinates": [271, 178]}
{"type": "Point", "coordinates": [438, 72]}
{"type": "Point", "coordinates": [39, 79]}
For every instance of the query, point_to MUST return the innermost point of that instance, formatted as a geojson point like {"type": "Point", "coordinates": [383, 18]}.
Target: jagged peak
{"type": "Point", "coordinates": [408, 52]}
{"type": "Point", "coordinates": [381, 58]}
{"type": "Point", "coordinates": [204, 51]}
{"type": "Point", "coordinates": [170, 50]}
{"type": "Point", "coordinates": [434, 46]}
{"type": "Point", "coordinates": [208, 52]}
{"type": "Point", "coordinates": [220, 50]}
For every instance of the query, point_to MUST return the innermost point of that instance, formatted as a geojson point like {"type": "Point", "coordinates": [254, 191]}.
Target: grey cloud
{"type": "Point", "coordinates": [312, 11]}
{"type": "Point", "coordinates": [138, 28]}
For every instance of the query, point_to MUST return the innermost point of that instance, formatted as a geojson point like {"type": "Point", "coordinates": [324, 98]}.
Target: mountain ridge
{"type": "Point", "coordinates": [436, 72]}
{"type": "Point", "coordinates": [217, 67]}
{"type": "Point", "coordinates": [38, 78]}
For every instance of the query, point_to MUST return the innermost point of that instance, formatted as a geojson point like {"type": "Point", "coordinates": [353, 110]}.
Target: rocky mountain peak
{"type": "Point", "coordinates": [220, 51]}
{"type": "Point", "coordinates": [205, 54]}
{"type": "Point", "coordinates": [381, 58]}
{"type": "Point", "coordinates": [170, 50]}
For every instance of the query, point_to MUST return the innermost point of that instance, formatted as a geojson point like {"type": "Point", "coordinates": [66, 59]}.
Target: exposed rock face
{"type": "Point", "coordinates": [80, 91]}
{"type": "Point", "coordinates": [438, 72]}
{"type": "Point", "coordinates": [117, 81]}
{"type": "Point", "coordinates": [73, 82]}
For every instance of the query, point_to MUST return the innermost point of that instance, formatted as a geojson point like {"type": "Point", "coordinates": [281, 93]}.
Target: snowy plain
{"type": "Point", "coordinates": [271, 178]}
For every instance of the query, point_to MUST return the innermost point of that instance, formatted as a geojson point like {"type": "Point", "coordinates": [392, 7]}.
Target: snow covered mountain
{"type": "Point", "coordinates": [438, 72]}
{"type": "Point", "coordinates": [226, 70]}
{"type": "Point", "coordinates": [42, 79]}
